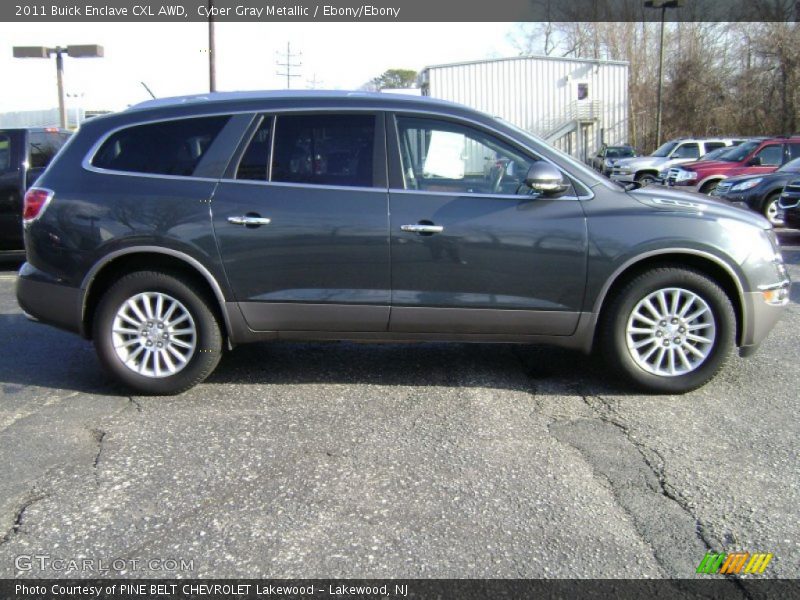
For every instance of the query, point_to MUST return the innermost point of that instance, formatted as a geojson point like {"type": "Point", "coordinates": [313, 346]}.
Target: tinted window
{"type": "Point", "coordinates": [619, 152]}
{"type": "Point", "coordinates": [771, 156]}
{"type": "Point", "coordinates": [687, 151]}
{"type": "Point", "coordinates": [738, 153]}
{"type": "Point", "coordinates": [444, 156]}
{"type": "Point", "coordinates": [792, 165]}
{"type": "Point", "coordinates": [794, 150]}
{"type": "Point", "coordinates": [324, 149]}
{"type": "Point", "coordinates": [713, 146]}
{"type": "Point", "coordinates": [5, 154]}
{"type": "Point", "coordinates": [166, 148]}
{"type": "Point", "coordinates": [255, 159]}
{"type": "Point", "coordinates": [43, 147]}
{"type": "Point", "coordinates": [664, 149]}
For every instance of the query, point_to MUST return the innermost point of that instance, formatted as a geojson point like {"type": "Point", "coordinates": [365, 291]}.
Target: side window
{"type": "Point", "coordinates": [164, 148]}
{"type": "Point", "coordinates": [713, 146]}
{"type": "Point", "coordinates": [771, 156]}
{"type": "Point", "coordinates": [448, 157]}
{"type": "Point", "coordinates": [691, 150]}
{"type": "Point", "coordinates": [255, 160]}
{"type": "Point", "coordinates": [43, 147]}
{"type": "Point", "coordinates": [794, 151]}
{"type": "Point", "coordinates": [324, 149]}
{"type": "Point", "coordinates": [5, 154]}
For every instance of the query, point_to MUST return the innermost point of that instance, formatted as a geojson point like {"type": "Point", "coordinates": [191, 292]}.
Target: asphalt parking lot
{"type": "Point", "coordinates": [426, 460]}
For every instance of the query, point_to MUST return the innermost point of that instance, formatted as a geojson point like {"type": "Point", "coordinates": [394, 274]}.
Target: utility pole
{"type": "Point", "coordinates": [663, 5]}
{"type": "Point", "coordinates": [212, 55]}
{"type": "Point", "coordinates": [289, 65]}
{"type": "Point", "coordinates": [313, 82]}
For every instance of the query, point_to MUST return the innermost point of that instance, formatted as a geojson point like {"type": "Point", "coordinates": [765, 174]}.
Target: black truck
{"type": "Point", "coordinates": [24, 154]}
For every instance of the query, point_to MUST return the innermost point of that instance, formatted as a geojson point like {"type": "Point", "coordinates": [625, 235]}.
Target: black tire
{"type": "Point", "coordinates": [645, 179]}
{"type": "Point", "coordinates": [207, 336]}
{"type": "Point", "coordinates": [614, 320]}
{"type": "Point", "coordinates": [770, 207]}
{"type": "Point", "coordinates": [709, 186]}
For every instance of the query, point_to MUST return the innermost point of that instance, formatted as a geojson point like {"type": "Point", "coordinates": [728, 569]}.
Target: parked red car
{"type": "Point", "coordinates": [754, 157]}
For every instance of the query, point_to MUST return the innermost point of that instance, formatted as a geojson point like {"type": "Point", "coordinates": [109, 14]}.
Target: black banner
{"type": "Point", "coordinates": [443, 589]}
{"type": "Point", "coordinates": [399, 10]}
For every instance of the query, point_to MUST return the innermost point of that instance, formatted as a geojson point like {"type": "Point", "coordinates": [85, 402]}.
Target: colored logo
{"type": "Point", "coordinates": [734, 563]}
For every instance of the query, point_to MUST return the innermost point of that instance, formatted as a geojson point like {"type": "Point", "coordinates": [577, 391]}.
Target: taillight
{"type": "Point", "coordinates": [36, 200]}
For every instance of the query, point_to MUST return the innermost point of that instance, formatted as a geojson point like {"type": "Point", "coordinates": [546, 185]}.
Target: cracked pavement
{"type": "Point", "coordinates": [385, 460]}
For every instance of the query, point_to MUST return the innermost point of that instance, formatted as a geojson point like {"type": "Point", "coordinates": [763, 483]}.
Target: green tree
{"type": "Point", "coordinates": [395, 78]}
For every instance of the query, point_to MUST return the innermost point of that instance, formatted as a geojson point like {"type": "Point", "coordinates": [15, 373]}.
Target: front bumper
{"type": "Point", "coordinates": [760, 318]}
{"type": "Point", "coordinates": [46, 299]}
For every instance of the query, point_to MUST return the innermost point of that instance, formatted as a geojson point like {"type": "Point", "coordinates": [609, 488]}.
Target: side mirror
{"type": "Point", "coordinates": [755, 161]}
{"type": "Point", "coordinates": [546, 179]}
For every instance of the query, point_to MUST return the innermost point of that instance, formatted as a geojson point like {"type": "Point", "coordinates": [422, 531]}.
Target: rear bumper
{"type": "Point", "coordinates": [48, 300]}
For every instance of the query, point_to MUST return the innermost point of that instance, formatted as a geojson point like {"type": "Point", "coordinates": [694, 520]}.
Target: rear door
{"type": "Point", "coordinates": [473, 251]}
{"type": "Point", "coordinates": [11, 173]}
{"type": "Point", "coordinates": [301, 223]}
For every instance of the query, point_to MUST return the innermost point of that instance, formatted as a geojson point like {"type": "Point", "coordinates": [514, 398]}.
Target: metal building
{"type": "Point", "coordinates": [575, 104]}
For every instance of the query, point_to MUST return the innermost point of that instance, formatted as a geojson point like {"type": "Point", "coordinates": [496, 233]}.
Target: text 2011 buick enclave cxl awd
{"type": "Point", "coordinates": [177, 228]}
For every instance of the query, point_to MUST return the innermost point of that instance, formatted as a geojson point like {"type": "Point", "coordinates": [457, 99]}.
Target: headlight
{"type": "Point", "coordinates": [609, 162]}
{"type": "Point", "coordinates": [684, 175]}
{"type": "Point", "coordinates": [746, 185]}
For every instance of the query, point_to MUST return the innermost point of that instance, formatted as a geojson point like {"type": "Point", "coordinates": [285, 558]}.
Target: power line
{"type": "Point", "coordinates": [288, 65]}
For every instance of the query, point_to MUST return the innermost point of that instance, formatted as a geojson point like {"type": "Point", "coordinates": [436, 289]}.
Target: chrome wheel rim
{"type": "Point", "coordinates": [670, 332]}
{"type": "Point", "coordinates": [154, 335]}
{"type": "Point", "coordinates": [773, 213]}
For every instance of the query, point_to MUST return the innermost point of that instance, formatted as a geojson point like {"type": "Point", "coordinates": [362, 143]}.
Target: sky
{"type": "Point", "coordinates": [172, 58]}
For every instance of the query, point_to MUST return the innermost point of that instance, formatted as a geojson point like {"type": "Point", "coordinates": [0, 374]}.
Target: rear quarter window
{"type": "Point", "coordinates": [5, 154]}
{"type": "Point", "coordinates": [163, 148]}
{"type": "Point", "coordinates": [43, 146]}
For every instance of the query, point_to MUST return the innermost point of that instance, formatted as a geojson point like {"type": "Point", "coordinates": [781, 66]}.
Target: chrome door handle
{"type": "Point", "coordinates": [420, 228]}
{"type": "Point", "coordinates": [247, 220]}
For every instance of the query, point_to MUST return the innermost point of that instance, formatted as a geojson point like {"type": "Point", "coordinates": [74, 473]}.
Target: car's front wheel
{"type": "Point", "coordinates": [772, 211]}
{"type": "Point", "coordinates": [668, 330]}
{"type": "Point", "coordinates": [156, 333]}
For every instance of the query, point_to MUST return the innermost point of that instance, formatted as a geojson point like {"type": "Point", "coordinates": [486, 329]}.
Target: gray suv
{"type": "Point", "coordinates": [178, 228]}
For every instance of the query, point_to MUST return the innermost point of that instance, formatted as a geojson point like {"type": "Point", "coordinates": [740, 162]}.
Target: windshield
{"type": "Point", "coordinates": [792, 165]}
{"type": "Point", "coordinates": [715, 154]}
{"type": "Point", "coordinates": [620, 152]}
{"type": "Point", "coordinates": [665, 149]}
{"type": "Point", "coordinates": [737, 153]}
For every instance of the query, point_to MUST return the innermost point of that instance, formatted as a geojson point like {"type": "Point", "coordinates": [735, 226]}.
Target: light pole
{"type": "Point", "coordinates": [663, 5]}
{"type": "Point", "coordinates": [80, 51]}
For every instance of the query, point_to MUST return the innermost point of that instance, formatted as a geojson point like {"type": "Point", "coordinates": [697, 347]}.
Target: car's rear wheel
{"type": "Point", "coordinates": [772, 211]}
{"type": "Point", "coordinates": [668, 330]}
{"type": "Point", "coordinates": [157, 333]}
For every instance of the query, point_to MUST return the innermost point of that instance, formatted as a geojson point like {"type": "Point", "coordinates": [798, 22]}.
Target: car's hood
{"type": "Point", "coordinates": [705, 164]}
{"type": "Point", "coordinates": [668, 199]}
{"type": "Point", "coordinates": [775, 177]}
{"type": "Point", "coordinates": [641, 161]}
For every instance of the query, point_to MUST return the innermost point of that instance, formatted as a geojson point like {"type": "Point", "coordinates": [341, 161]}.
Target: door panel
{"type": "Point", "coordinates": [498, 254]}
{"type": "Point", "coordinates": [490, 257]}
{"type": "Point", "coordinates": [322, 247]}
{"type": "Point", "coordinates": [11, 145]}
{"type": "Point", "coordinates": [308, 255]}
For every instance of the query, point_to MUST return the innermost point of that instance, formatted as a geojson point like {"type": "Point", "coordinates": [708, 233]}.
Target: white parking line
{"type": "Point", "coordinates": [7, 277]}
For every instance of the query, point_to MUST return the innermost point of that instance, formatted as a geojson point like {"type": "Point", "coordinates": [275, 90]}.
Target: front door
{"type": "Point", "coordinates": [302, 227]}
{"type": "Point", "coordinates": [472, 251]}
